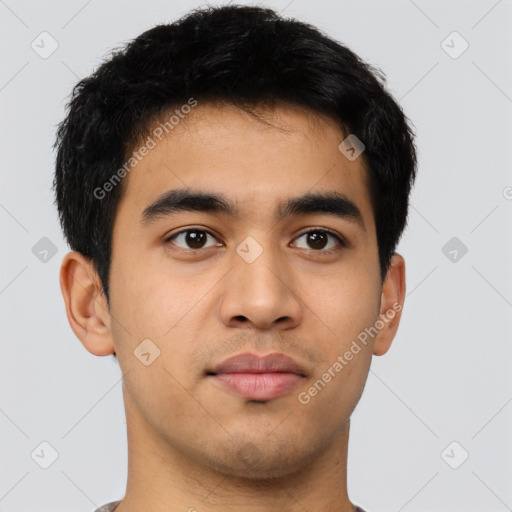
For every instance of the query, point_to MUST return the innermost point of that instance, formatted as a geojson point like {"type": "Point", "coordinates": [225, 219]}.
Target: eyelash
{"type": "Point", "coordinates": [341, 241]}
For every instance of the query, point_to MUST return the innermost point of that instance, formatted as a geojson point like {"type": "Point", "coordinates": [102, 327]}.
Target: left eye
{"type": "Point", "coordinates": [318, 239]}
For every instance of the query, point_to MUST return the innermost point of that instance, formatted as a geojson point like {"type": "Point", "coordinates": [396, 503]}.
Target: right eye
{"type": "Point", "coordinates": [192, 239]}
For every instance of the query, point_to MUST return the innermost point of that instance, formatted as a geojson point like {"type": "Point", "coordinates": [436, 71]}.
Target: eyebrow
{"type": "Point", "coordinates": [180, 200]}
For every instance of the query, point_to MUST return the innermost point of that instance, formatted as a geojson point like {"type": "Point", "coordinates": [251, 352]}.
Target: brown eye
{"type": "Point", "coordinates": [191, 239]}
{"type": "Point", "coordinates": [319, 239]}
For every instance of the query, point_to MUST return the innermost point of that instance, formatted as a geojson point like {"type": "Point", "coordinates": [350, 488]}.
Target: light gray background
{"type": "Point", "coordinates": [447, 376]}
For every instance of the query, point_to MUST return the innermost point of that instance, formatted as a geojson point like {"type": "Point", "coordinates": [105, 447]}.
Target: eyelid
{"type": "Point", "coordinates": [335, 234]}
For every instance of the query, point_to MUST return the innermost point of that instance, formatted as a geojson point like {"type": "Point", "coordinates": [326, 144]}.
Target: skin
{"type": "Point", "coordinates": [195, 446]}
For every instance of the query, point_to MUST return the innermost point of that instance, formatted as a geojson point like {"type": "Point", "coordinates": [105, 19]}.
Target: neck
{"type": "Point", "coordinates": [164, 478]}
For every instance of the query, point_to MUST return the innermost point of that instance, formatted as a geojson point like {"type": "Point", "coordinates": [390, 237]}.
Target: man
{"type": "Point", "coordinates": [233, 186]}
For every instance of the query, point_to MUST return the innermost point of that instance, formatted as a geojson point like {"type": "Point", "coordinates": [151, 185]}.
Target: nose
{"type": "Point", "coordinates": [259, 293]}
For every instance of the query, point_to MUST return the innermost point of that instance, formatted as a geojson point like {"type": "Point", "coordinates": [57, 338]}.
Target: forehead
{"type": "Point", "coordinates": [257, 161]}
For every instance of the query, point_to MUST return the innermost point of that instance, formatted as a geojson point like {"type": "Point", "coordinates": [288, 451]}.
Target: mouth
{"type": "Point", "coordinates": [259, 378]}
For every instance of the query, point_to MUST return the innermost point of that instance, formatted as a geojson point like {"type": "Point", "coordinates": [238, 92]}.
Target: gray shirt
{"type": "Point", "coordinates": [110, 507]}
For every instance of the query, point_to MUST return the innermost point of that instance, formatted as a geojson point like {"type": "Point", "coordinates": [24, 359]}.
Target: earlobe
{"type": "Point", "coordinates": [86, 306]}
{"type": "Point", "coordinates": [392, 300]}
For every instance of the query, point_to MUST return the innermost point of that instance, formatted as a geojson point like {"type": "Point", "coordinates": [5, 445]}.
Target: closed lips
{"type": "Point", "coordinates": [258, 378]}
{"type": "Point", "coordinates": [253, 363]}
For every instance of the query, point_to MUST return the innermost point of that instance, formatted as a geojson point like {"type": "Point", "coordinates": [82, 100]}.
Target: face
{"type": "Point", "coordinates": [252, 272]}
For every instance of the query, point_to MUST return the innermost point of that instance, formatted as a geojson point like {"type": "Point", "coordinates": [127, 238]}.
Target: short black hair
{"type": "Point", "coordinates": [241, 55]}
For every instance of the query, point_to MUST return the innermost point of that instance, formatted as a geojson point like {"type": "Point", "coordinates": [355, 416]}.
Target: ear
{"type": "Point", "coordinates": [86, 304]}
{"type": "Point", "coordinates": [391, 304]}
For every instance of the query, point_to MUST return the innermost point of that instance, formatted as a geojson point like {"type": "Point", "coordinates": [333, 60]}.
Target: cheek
{"type": "Point", "coordinates": [146, 299]}
{"type": "Point", "coordinates": [148, 304]}
{"type": "Point", "coordinates": [346, 304]}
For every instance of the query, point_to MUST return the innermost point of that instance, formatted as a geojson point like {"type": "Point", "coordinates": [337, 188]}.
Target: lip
{"type": "Point", "coordinates": [258, 377]}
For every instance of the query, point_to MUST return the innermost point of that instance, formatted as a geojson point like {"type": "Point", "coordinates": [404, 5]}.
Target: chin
{"type": "Point", "coordinates": [260, 461]}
